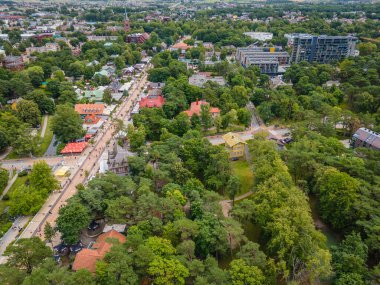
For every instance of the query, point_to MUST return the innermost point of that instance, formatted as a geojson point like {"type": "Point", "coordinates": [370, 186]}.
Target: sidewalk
{"type": "Point", "coordinates": [11, 235]}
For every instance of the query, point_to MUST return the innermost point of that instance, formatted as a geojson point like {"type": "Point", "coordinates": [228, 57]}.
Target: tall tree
{"type": "Point", "coordinates": [72, 219]}
{"type": "Point", "coordinates": [67, 124]}
{"type": "Point", "coordinates": [42, 178]}
{"type": "Point", "coordinates": [28, 112]}
{"type": "Point", "coordinates": [27, 253]}
{"type": "Point", "coordinates": [206, 118]}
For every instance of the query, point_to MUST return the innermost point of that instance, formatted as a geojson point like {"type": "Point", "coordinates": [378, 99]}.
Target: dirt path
{"type": "Point", "coordinates": [44, 126]}
{"type": "Point", "coordinates": [227, 204]}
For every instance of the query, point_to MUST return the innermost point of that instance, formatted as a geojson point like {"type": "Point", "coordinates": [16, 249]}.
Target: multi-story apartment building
{"type": "Point", "coordinates": [267, 59]}
{"type": "Point", "coordinates": [321, 49]}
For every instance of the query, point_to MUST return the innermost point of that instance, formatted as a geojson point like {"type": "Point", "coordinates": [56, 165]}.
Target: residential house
{"type": "Point", "coordinates": [15, 62]}
{"type": "Point", "coordinates": [364, 137]}
{"type": "Point", "coordinates": [155, 85]}
{"type": "Point", "coordinates": [95, 95]}
{"type": "Point", "coordinates": [152, 101]}
{"type": "Point", "coordinates": [195, 109]}
{"type": "Point", "coordinates": [235, 146]}
{"type": "Point", "coordinates": [137, 38]}
{"type": "Point", "coordinates": [87, 258]}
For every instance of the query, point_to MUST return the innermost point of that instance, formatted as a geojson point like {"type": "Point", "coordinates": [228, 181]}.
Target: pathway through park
{"type": "Point", "coordinates": [227, 204]}
{"type": "Point", "coordinates": [43, 131]}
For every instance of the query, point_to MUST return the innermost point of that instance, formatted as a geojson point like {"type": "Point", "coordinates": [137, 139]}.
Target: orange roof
{"type": "Point", "coordinates": [88, 109]}
{"type": "Point", "coordinates": [77, 147]}
{"type": "Point", "coordinates": [195, 108]}
{"type": "Point", "coordinates": [91, 119]}
{"type": "Point", "coordinates": [181, 45]}
{"type": "Point", "coordinates": [87, 258]}
{"type": "Point", "coordinates": [148, 102]}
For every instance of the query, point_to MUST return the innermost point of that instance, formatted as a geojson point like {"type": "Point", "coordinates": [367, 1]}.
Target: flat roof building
{"type": "Point", "coordinates": [267, 59]}
{"type": "Point", "coordinates": [321, 49]}
{"type": "Point", "coordinates": [260, 36]}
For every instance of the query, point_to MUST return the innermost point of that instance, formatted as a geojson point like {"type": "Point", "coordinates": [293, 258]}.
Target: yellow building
{"type": "Point", "coordinates": [234, 145]}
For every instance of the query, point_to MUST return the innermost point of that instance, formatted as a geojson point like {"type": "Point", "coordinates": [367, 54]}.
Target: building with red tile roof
{"type": "Point", "coordinates": [195, 108]}
{"type": "Point", "coordinates": [91, 119]}
{"type": "Point", "coordinates": [74, 148]}
{"type": "Point", "coordinates": [180, 46]}
{"type": "Point", "coordinates": [152, 102]}
{"type": "Point", "coordinates": [89, 109]}
{"type": "Point", "coordinates": [87, 258]}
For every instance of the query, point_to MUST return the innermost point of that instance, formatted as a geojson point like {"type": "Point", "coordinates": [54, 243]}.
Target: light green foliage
{"type": "Point", "coordinates": [167, 271]}
{"type": "Point", "coordinates": [242, 274]}
{"type": "Point", "coordinates": [338, 193]}
{"type": "Point", "coordinates": [26, 200]}
{"type": "Point", "coordinates": [136, 136]}
{"type": "Point", "coordinates": [42, 178]}
{"type": "Point", "coordinates": [67, 124]}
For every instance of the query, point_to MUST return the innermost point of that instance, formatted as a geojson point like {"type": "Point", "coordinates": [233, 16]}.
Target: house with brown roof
{"type": "Point", "coordinates": [195, 108]}
{"type": "Point", "coordinates": [87, 258]}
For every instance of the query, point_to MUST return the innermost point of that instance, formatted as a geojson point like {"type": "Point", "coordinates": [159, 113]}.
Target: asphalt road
{"type": "Point", "coordinates": [50, 211]}
{"type": "Point", "coordinates": [88, 161]}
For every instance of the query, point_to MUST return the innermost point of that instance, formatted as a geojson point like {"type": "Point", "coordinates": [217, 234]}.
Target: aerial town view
{"type": "Point", "coordinates": [181, 142]}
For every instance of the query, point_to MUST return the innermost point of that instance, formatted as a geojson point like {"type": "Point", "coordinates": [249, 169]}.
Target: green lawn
{"type": "Point", "coordinates": [19, 182]}
{"type": "Point", "coordinates": [46, 139]}
{"type": "Point", "coordinates": [243, 171]}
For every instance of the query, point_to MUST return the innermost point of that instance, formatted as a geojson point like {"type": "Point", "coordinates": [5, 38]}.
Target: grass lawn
{"type": "Point", "coordinates": [46, 139]}
{"type": "Point", "coordinates": [19, 182]}
{"type": "Point", "coordinates": [243, 171]}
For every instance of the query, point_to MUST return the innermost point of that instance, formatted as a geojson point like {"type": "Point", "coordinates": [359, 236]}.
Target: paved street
{"type": "Point", "coordinates": [49, 212]}
{"type": "Point", "coordinates": [10, 235]}
{"type": "Point", "coordinates": [88, 161]}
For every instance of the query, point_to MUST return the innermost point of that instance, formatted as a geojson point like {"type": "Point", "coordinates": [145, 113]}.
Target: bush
{"type": "Point", "coordinates": [4, 228]}
{"type": "Point", "coordinates": [23, 173]}
{"type": "Point", "coordinates": [60, 147]}
{"type": "Point", "coordinates": [4, 176]}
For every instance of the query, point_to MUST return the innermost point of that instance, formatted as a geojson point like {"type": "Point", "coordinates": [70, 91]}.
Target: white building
{"type": "Point", "coordinates": [260, 36]}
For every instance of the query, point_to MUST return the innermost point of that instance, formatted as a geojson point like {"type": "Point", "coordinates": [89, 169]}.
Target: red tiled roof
{"type": "Point", "coordinates": [181, 45]}
{"type": "Point", "coordinates": [87, 258]}
{"type": "Point", "coordinates": [88, 109]}
{"type": "Point", "coordinates": [157, 102]}
{"type": "Point", "coordinates": [195, 108]}
{"type": "Point", "coordinates": [91, 119]}
{"type": "Point", "coordinates": [77, 147]}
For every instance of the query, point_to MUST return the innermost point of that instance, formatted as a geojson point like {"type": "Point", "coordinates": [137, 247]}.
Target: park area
{"type": "Point", "coordinates": [243, 170]}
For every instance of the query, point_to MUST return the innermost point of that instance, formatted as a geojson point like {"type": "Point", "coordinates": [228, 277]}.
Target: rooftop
{"type": "Point", "coordinates": [76, 147]}
{"type": "Point", "coordinates": [89, 109]}
{"type": "Point", "coordinates": [195, 108]}
{"type": "Point", "coordinates": [232, 139]}
{"type": "Point", "coordinates": [87, 258]}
